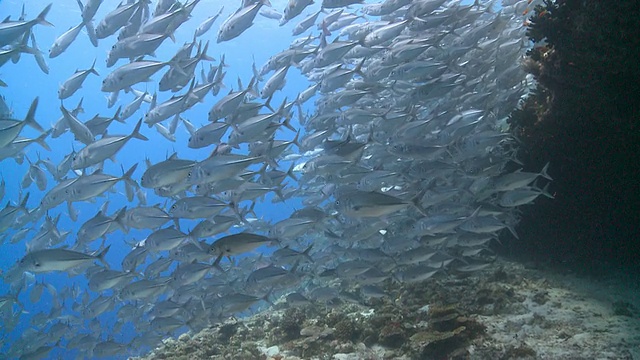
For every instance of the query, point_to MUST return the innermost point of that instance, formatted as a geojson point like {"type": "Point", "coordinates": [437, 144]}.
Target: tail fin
{"type": "Point", "coordinates": [127, 176]}
{"type": "Point", "coordinates": [100, 256]}
{"type": "Point", "coordinates": [93, 68]}
{"type": "Point", "coordinates": [41, 17]}
{"type": "Point", "coordinates": [30, 119]}
{"type": "Point", "coordinates": [120, 221]}
{"type": "Point", "coordinates": [136, 132]}
{"type": "Point", "coordinates": [41, 140]}
{"type": "Point", "coordinates": [543, 172]}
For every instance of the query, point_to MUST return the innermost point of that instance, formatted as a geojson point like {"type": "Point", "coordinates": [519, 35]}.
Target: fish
{"type": "Point", "coordinates": [135, 46]}
{"type": "Point", "coordinates": [170, 171]}
{"type": "Point", "coordinates": [116, 19]}
{"type": "Point", "coordinates": [105, 148]}
{"type": "Point", "coordinates": [80, 130]}
{"type": "Point", "coordinates": [62, 43]}
{"type": "Point", "coordinates": [239, 21]}
{"type": "Point", "coordinates": [237, 244]}
{"type": "Point", "coordinates": [208, 23]}
{"type": "Point", "coordinates": [48, 260]}
{"type": "Point", "coordinates": [131, 74]}
{"type": "Point", "coordinates": [71, 85]}
{"type": "Point", "coordinates": [293, 9]}
{"type": "Point", "coordinates": [372, 204]}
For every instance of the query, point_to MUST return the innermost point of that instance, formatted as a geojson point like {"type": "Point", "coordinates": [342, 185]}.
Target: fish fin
{"type": "Point", "coordinates": [204, 56]}
{"type": "Point", "coordinates": [305, 253]}
{"type": "Point", "coordinates": [119, 220]}
{"type": "Point", "coordinates": [73, 213]}
{"type": "Point", "coordinates": [416, 202]}
{"type": "Point", "coordinates": [127, 175]}
{"type": "Point", "coordinates": [93, 68]}
{"type": "Point", "coordinates": [173, 125]}
{"type": "Point", "coordinates": [544, 173]}
{"type": "Point", "coordinates": [266, 297]}
{"type": "Point", "coordinates": [101, 254]}
{"type": "Point", "coordinates": [40, 19]}
{"type": "Point", "coordinates": [30, 119]}
{"type": "Point", "coordinates": [41, 140]}
{"type": "Point", "coordinates": [136, 132]}
{"type": "Point", "coordinates": [267, 104]}
{"type": "Point", "coordinates": [290, 172]}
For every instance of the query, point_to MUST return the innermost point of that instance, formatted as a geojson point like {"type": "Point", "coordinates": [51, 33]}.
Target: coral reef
{"type": "Point", "coordinates": [584, 118]}
{"type": "Point", "coordinates": [504, 312]}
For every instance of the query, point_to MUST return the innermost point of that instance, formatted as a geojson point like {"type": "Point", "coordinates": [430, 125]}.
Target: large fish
{"type": "Point", "coordinates": [41, 261]}
{"type": "Point", "coordinates": [105, 148]}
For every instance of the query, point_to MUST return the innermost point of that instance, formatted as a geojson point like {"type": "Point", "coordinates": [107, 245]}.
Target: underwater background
{"type": "Point", "coordinates": [426, 308]}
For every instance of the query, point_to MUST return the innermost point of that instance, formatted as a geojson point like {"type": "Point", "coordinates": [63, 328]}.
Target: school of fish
{"type": "Point", "coordinates": [397, 152]}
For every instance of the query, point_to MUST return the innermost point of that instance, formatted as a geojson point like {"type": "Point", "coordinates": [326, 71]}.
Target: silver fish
{"type": "Point", "coordinates": [48, 260]}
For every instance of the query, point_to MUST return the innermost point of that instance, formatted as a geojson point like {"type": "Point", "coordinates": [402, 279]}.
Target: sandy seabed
{"type": "Point", "coordinates": [506, 311]}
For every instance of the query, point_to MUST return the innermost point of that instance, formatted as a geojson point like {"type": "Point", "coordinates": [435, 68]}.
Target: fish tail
{"type": "Point", "coordinates": [290, 172]}
{"type": "Point", "coordinates": [195, 241]}
{"type": "Point", "coordinates": [41, 140]}
{"type": "Point", "coordinates": [266, 297]}
{"type": "Point", "coordinates": [23, 204]}
{"type": "Point", "coordinates": [101, 254]}
{"type": "Point", "coordinates": [287, 123]}
{"type": "Point", "coordinates": [305, 253]}
{"type": "Point", "coordinates": [30, 118]}
{"type": "Point", "coordinates": [204, 56]}
{"type": "Point", "coordinates": [136, 132]}
{"type": "Point", "coordinates": [119, 219]}
{"type": "Point", "coordinates": [127, 176]}
{"type": "Point", "coordinates": [279, 193]}
{"type": "Point", "coordinates": [545, 191]}
{"type": "Point", "coordinates": [40, 19]}
{"type": "Point", "coordinates": [416, 201]}
{"type": "Point", "coordinates": [544, 174]}
{"type": "Point", "coordinates": [267, 104]}
{"type": "Point", "coordinates": [358, 68]}
{"type": "Point", "coordinates": [216, 263]}
{"type": "Point", "coordinates": [93, 68]}
{"type": "Point", "coordinates": [117, 116]}
{"type": "Point", "coordinates": [296, 138]}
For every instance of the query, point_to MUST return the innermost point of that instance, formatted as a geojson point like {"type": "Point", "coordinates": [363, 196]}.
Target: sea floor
{"type": "Point", "coordinates": [506, 311]}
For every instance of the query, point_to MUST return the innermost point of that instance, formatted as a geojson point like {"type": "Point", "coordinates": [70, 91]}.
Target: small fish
{"type": "Point", "coordinates": [239, 21]}
{"type": "Point", "coordinates": [71, 85]}
{"type": "Point", "coordinates": [206, 25]}
{"type": "Point", "coordinates": [105, 148]}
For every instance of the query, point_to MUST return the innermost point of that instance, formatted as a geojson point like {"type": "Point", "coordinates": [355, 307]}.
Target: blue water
{"type": "Point", "coordinates": [26, 81]}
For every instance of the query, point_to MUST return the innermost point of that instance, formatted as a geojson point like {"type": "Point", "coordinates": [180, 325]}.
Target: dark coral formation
{"type": "Point", "coordinates": [584, 117]}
